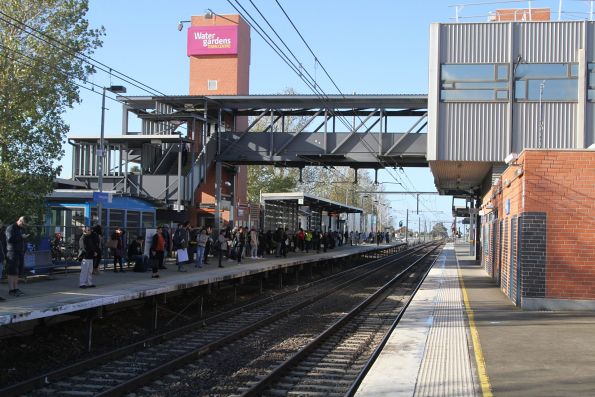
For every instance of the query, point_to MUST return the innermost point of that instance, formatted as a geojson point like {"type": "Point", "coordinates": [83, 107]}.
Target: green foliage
{"type": "Point", "coordinates": [37, 85]}
{"type": "Point", "coordinates": [268, 179]}
{"type": "Point", "coordinates": [439, 230]}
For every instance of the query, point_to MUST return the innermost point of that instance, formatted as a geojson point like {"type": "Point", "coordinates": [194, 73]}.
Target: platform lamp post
{"type": "Point", "coordinates": [116, 89]}
{"type": "Point", "coordinates": [362, 222]}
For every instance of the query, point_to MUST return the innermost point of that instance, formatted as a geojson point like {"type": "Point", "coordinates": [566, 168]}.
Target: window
{"type": "Point", "coordinates": [546, 81]}
{"type": "Point", "coordinates": [483, 82]}
{"type": "Point", "coordinates": [591, 82]}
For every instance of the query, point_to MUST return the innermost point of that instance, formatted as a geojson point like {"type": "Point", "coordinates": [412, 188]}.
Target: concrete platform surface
{"type": "Point", "coordinates": [502, 351]}
{"type": "Point", "coordinates": [61, 294]}
{"type": "Point", "coordinates": [529, 353]}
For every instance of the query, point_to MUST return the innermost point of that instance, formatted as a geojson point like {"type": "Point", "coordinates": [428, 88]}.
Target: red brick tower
{"type": "Point", "coordinates": [219, 52]}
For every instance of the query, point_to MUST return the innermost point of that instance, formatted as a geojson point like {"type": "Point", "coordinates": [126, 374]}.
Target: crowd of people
{"type": "Point", "coordinates": [186, 244]}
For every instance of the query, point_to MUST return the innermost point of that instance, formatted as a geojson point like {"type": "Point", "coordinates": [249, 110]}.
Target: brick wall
{"type": "Point", "coordinates": [552, 192]}
{"type": "Point", "coordinates": [232, 73]}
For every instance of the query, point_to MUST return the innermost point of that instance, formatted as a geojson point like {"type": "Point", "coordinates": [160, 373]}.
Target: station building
{"type": "Point", "coordinates": [511, 124]}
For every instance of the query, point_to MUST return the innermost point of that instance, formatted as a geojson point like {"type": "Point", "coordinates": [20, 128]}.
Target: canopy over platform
{"type": "Point", "coordinates": [315, 203]}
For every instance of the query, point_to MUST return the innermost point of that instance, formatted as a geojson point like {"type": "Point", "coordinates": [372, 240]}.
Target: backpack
{"type": "Point", "coordinates": [178, 239]}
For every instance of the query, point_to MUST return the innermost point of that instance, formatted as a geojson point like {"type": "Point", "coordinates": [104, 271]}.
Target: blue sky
{"type": "Point", "coordinates": [372, 47]}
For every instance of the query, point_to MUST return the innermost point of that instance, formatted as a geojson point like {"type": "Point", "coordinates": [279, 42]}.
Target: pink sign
{"type": "Point", "coordinates": [212, 40]}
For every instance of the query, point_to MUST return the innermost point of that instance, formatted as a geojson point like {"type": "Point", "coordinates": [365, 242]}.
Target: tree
{"type": "Point", "coordinates": [42, 44]}
{"type": "Point", "coordinates": [439, 231]}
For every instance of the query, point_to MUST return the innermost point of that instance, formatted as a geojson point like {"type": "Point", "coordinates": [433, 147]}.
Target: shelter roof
{"type": "Point", "coordinates": [312, 201]}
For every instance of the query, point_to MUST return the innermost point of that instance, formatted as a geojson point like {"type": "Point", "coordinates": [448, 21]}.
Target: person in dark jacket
{"type": "Point", "coordinates": [136, 255]}
{"type": "Point", "coordinates": [15, 254]}
{"type": "Point", "coordinates": [97, 233]}
{"type": "Point", "coordinates": [118, 248]}
{"type": "Point", "coordinates": [89, 252]}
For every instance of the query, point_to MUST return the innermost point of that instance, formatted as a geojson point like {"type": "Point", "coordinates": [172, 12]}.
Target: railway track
{"type": "Point", "coordinates": [330, 364]}
{"type": "Point", "coordinates": [132, 368]}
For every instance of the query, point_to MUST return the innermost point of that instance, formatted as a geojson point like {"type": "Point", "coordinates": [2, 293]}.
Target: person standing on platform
{"type": "Point", "coordinates": [209, 245]}
{"type": "Point", "coordinates": [157, 252]}
{"type": "Point", "coordinates": [201, 243]}
{"type": "Point", "coordinates": [180, 245]}
{"type": "Point", "coordinates": [268, 238]}
{"type": "Point", "coordinates": [220, 246]}
{"type": "Point", "coordinates": [89, 251]}
{"type": "Point", "coordinates": [307, 240]}
{"type": "Point", "coordinates": [117, 247]}
{"type": "Point", "coordinates": [136, 255]}
{"type": "Point", "coordinates": [316, 241]}
{"type": "Point", "coordinates": [240, 243]}
{"type": "Point", "coordinates": [167, 238]}
{"type": "Point", "coordinates": [278, 242]}
{"type": "Point", "coordinates": [97, 233]}
{"type": "Point", "coordinates": [15, 254]}
{"type": "Point", "coordinates": [253, 243]}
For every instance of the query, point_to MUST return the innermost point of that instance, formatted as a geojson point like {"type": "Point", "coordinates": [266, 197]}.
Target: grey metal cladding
{"type": "Point", "coordinates": [590, 130]}
{"type": "Point", "coordinates": [559, 125]}
{"type": "Point", "coordinates": [474, 43]}
{"type": "Point", "coordinates": [473, 131]}
{"type": "Point", "coordinates": [549, 42]}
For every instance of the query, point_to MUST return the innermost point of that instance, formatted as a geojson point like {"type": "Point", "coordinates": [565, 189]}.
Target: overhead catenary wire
{"type": "Point", "coordinates": [311, 84]}
{"type": "Point", "coordinates": [40, 35]}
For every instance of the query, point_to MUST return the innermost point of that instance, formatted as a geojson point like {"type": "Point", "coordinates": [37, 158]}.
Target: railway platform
{"type": "Point", "coordinates": [461, 336]}
{"type": "Point", "coordinates": [61, 294]}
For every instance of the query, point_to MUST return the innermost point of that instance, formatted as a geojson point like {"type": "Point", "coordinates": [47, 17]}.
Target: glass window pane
{"type": "Point", "coordinates": [592, 80]}
{"type": "Point", "coordinates": [520, 89]}
{"type": "Point", "coordinates": [502, 72]}
{"type": "Point", "coordinates": [464, 95]}
{"type": "Point", "coordinates": [591, 95]}
{"type": "Point", "coordinates": [573, 70]}
{"type": "Point", "coordinates": [468, 72]}
{"type": "Point", "coordinates": [541, 70]}
{"type": "Point", "coordinates": [133, 223]}
{"type": "Point", "coordinates": [501, 94]}
{"type": "Point", "coordinates": [148, 219]}
{"type": "Point", "coordinates": [563, 90]}
{"type": "Point", "coordinates": [480, 85]}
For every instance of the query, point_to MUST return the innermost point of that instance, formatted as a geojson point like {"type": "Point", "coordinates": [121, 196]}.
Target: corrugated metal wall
{"type": "Point", "coordinates": [474, 43]}
{"type": "Point", "coordinates": [559, 125]}
{"type": "Point", "coordinates": [473, 131]}
{"type": "Point", "coordinates": [549, 42]}
{"type": "Point", "coordinates": [480, 131]}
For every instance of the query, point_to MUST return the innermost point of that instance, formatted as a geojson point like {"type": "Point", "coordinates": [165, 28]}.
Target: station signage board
{"type": "Point", "coordinates": [212, 40]}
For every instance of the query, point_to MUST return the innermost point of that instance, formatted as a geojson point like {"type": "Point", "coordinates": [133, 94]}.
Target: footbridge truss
{"type": "Point", "coordinates": [359, 131]}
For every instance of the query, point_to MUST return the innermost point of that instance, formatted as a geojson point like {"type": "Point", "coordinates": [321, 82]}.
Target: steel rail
{"type": "Point", "coordinates": [53, 376]}
{"type": "Point", "coordinates": [258, 388]}
{"type": "Point", "coordinates": [182, 360]}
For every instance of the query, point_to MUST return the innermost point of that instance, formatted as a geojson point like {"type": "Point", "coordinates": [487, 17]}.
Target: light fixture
{"type": "Point", "coordinates": [507, 182]}
{"type": "Point", "coordinates": [209, 13]}
{"type": "Point", "coordinates": [181, 25]}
